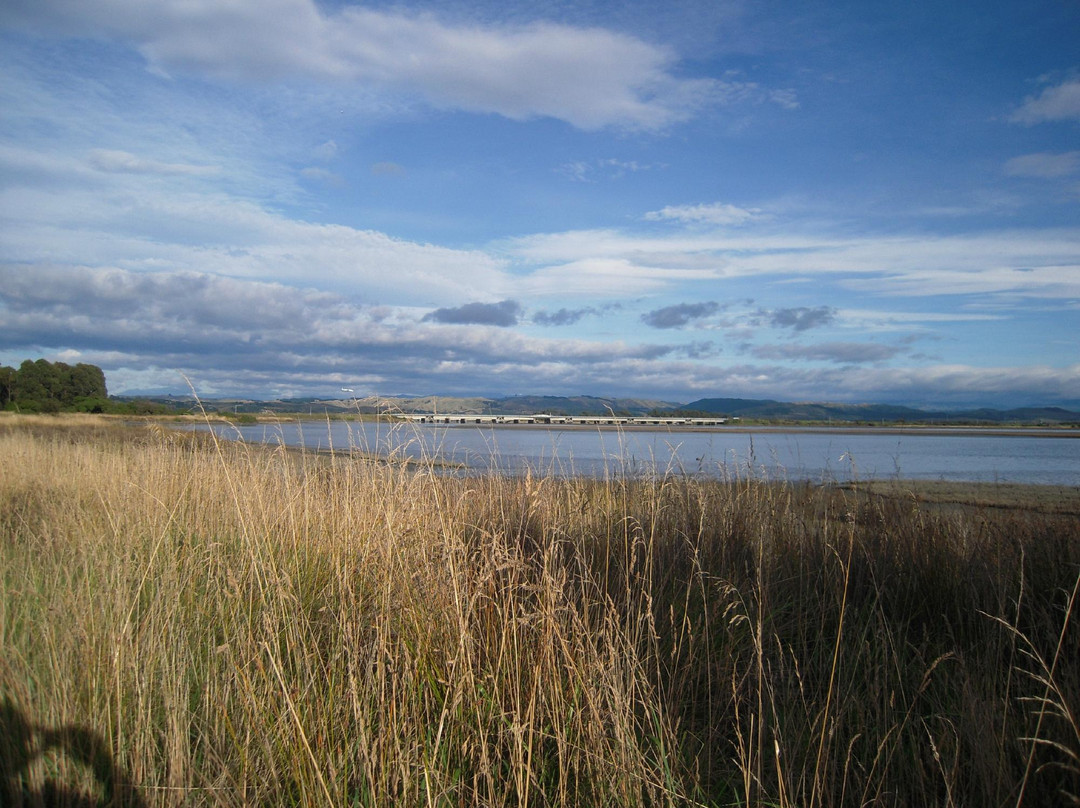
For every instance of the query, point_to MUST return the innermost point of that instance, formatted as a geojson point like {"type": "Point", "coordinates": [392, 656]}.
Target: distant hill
{"type": "Point", "coordinates": [527, 405]}
{"type": "Point", "coordinates": [507, 405]}
{"type": "Point", "coordinates": [581, 405]}
{"type": "Point", "coordinates": [766, 409]}
{"type": "Point", "coordinates": [744, 408]}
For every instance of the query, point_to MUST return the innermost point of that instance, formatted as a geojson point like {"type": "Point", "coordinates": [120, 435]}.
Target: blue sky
{"type": "Point", "coordinates": [839, 201]}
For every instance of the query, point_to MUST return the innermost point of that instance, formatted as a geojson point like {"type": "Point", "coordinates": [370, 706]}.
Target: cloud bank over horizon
{"type": "Point", "coordinates": [282, 199]}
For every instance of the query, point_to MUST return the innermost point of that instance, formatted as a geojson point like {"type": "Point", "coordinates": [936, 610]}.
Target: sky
{"type": "Point", "coordinates": [839, 200]}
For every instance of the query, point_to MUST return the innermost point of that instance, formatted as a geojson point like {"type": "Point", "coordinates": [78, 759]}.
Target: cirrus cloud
{"type": "Point", "coordinates": [590, 77]}
{"type": "Point", "coordinates": [716, 213]}
{"type": "Point", "coordinates": [122, 162]}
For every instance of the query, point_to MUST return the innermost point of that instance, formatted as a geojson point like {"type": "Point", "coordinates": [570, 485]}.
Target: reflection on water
{"type": "Point", "coordinates": [1020, 456]}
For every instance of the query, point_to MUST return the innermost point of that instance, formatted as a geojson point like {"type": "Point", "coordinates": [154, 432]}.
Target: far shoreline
{"type": "Point", "coordinates": [1045, 497]}
{"type": "Point", "coordinates": [838, 428]}
{"type": "Point", "coordinates": [995, 430]}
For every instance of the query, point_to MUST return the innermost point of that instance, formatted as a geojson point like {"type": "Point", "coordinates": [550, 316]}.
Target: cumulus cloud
{"type": "Point", "coordinates": [236, 336]}
{"type": "Point", "coordinates": [591, 78]}
{"type": "Point", "coordinates": [679, 315]}
{"type": "Point", "coordinates": [715, 213]}
{"type": "Point", "coordinates": [266, 335]}
{"type": "Point", "coordinates": [503, 314]}
{"type": "Point", "coordinates": [1060, 102]}
{"type": "Point", "coordinates": [802, 318]}
{"type": "Point", "coordinates": [1044, 165]}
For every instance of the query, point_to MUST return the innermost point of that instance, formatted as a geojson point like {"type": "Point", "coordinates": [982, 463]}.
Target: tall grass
{"type": "Point", "coordinates": [244, 626]}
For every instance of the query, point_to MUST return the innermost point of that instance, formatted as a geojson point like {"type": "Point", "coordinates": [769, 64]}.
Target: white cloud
{"type": "Point", "coordinates": [591, 78]}
{"type": "Point", "coordinates": [577, 170]}
{"type": "Point", "coordinates": [122, 162]}
{"type": "Point", "coordinates": [785, 98]}
{"type": "Point", "coordinates": [599, 243]}
{"type": "Point", "coordinates": [146, 228]}
{"type": "Point", "coordinates": [1037, 263]}
{"type": "Point", "coordinates": [838, 352]}
{"type": "Point", "coordinates": [1058, 103]}
{"type": "Point", "coordinates": [716, 213]}
{"type": "Point", "coordinates": [867, 320]}
{"type": "Point", "coordinates": [322, 175]}
{"type": "Point", "coordinates": [1036, 381]}
{"type": "Point", "coordinates": [326, 151]}
{"type": "Point", "coordinates": [123, 127]}
{"type": "Point", "coordinates": [1044, 165]}
{"type": "Point", "coordinates": [387, 169]}
{"type": "Point", "coordinates": [239, 336]}
{"type": "Point", "coordinates": [610, 168]}
{"type": "Point", "coordinates": [614, 277]}
{"type": "Point", "coordinates": [1061, 282]}
{"type": "Point", "coordinates": [183, 315]}
{"type": "Point", "coordinates": [18, 160]}
{"type": "Point", "coordinates": [155, 298]}
{"type": "Point", "coordinates": [120, 219]}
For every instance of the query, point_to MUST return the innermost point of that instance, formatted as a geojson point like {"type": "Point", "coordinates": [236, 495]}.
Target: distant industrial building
{"type": "Point", "coordinates": [568, 420]}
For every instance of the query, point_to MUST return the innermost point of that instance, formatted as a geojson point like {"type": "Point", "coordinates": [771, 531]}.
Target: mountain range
{"type": "Point", "coordinates": [742, 408]}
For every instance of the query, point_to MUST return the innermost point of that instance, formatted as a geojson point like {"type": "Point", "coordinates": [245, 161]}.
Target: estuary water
{"type": "Point", "coordinates": [814, 454]}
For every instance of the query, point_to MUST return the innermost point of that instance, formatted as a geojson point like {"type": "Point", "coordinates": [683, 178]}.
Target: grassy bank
{"type": "Point", "coordinates": [188, 623]}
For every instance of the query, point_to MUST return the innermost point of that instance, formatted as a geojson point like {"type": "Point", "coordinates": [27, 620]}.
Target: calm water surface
{"type": "Point", "coordinates": [1020, 456]}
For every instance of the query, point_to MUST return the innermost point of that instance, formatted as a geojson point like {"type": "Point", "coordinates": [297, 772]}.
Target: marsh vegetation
{"type": "Point", "coordinates": [241, 625]}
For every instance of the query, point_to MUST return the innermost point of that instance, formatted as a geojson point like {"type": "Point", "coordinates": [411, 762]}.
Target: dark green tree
{"type": "Point", "coordinates": [36, 385]}
{"type": "Point", "coordinates": [7, 385]}
{"type": "Point", "coordinates": [43, 386]}
{"type": "Point", "coordinates": [84, 381]}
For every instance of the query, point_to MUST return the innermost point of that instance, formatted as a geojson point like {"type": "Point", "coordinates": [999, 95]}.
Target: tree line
{"type": "Point", "coordinates": [43, 386]}
{"type": "Point", "coordinates": [38, 385]}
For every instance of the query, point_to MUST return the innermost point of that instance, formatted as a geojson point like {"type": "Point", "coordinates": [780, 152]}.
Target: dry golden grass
{"type": "Point", "coordinates": [212, 624]}
{"type": "Point", "coordinates": [1060, 499]}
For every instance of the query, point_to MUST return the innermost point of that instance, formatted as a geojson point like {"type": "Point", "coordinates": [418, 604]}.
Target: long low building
{"type": "Point", "coordinates": [569, 420]}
